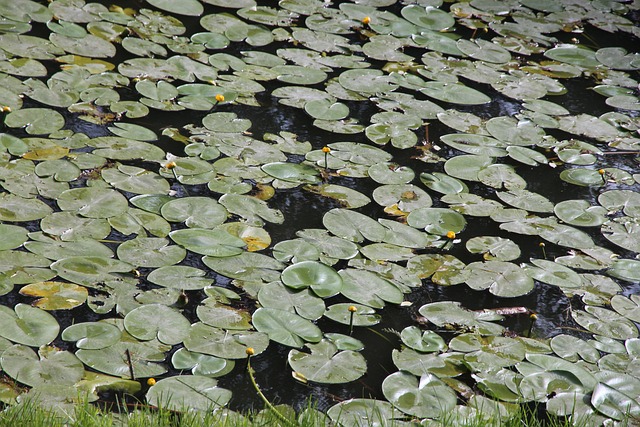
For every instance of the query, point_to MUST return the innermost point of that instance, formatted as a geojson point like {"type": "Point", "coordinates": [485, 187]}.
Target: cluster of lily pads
{"type": "Point", "coordinates": [117, 224]}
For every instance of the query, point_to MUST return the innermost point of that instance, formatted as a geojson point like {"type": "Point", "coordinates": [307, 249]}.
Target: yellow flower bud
{"type": "Point", "coordinates": [170, 165]}
{"type": "Point", "coordinates": [366, 20]}
{"type": "Point", "coordinates": [601, 171]}
{"type": "Point", "coordinates": [250, 351]}
{"type": "Point", "coordinates": [151, 381]}
{"type": "Point", "coordinates": [451, 235]}
{"type": "Point", "coordinates": [326, 149]}
{"type": "Point", "coordinates": [352, 308]}
{"type": "Point", "coordinates": [220, 97]}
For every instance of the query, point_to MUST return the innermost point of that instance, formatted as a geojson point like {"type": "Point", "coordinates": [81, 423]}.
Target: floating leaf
{"type": "Point", "coordinates": [201, 364]}
{"type": "Point", "coordinates": [285, 327]}
{"type": "Point", "coordinates": [325, 364]}
{"type": "Point", "coordinates": [217, 243]}
{"type": "Point", "coordinates": [322, 279]}
{"type": "Point", "coordinates": [28, 325]}
{"type": "Point", "coordinates": [198, 392]}
{"type": "Point", "coordinates": [224, 344]}
{"type": "Point", "coordinates": [92, 335]}
{"type": "Point", "coordinates": [427, 396]}
{"type": "Point", "coordinates": [55, 295]}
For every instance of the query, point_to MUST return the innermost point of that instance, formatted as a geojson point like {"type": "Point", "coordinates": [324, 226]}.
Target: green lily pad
{"type": "Point", "coordinates": [455, 93]}
{"type": "Point", "coordinates": [92, 335]}
{"type": "Point", "coordinates": [285, 327]}
{"type": "Point", "coordinates": [292, 172]}
{"type": "Point", "coordinates": [452, 313]}
{"type": "Point", "coordinates": [15, 208]}
{"type": "Point", "coordinates": [201, 364]}
{"type": "Point", "coordinates": [500, 278]}
{"type": "Point", "coordinates": [196, 391]}
{"type": "Point", "coordinates": [28, 325]}
{"type": "Point", "coordinates": [88, 270]}
{"type": "Point", "coordinates": [493, 248]}
{"type": "Point", "coordinates": [369, 411]}
{"type": "Point", "coordinates": [150, 252]}
{"type": "Point", "coordinates": [437, 220]}
{"type": "Point", "coordinates": [580, 212]}
{"type": "Point", "coordinates": [353, 226]}
{"type": "Point", "coordinates": [524, 199]}
{"type": "Point", "coordinates": [13, 236]}
{"type": "Point", "coordinates": [195, 212]}
{"type": "Point", "coordinates": [363, 316]}
{"type": "Point", "coordinates": [322, 279]}
{"type": "Point", "coordinates": [368, 288]}
{"type": "Point", "coordinates": [246, 266]}
{"type": "Point", "coordinates": [574, 55]}
{"type": "Point", "coordinates": [36, 121]}
{"type": "Point", "coordinates": [216, 243]}
{"type": "Point", "coordinates": [326, 364]}
{"type": "Point", "coordinates": [224, 344]}
{"type": "Point", "coordinates": [93, 202]}
{"type": "Point", "coordinates": [49, 365]}
{"type": "Point", "coordinates": [157, 321]}
{"type": "Point", "coordinates": [422, 341]}
{"type": "Point", "coordinates": [608, 323]}
{"type": "Point", "coordinates": [427, 396]}
{"type": "Point", "coordinates": [254, 210]}
{"type": "Point", "coordinates": [223, 316]}
{"type": "Point", "coordinates": [303, 302]}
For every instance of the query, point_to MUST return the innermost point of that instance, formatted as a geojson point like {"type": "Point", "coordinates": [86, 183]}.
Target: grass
{"type": "Point", "coordinates": [89, 415]}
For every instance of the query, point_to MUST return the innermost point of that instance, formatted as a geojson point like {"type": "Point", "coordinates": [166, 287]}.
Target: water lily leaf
{"type": "Point", "coordinates": [442, 269]}
{"type": "Point", "coordinates": [568, 236]}
{"type": "Point", "coordinates": [381, 252]}
{"type": "Point", "coordinates": [363, 316]}
{"type": "Point", "coordinates": [580, 212]}
{"type": "Point", "coordinates": [422, 341]}
{"type": "Point", "coordinates": [443, 183]}
{"type": "Point", "coordinates": [627, 306]}
{"type": "Point", "coordinates": [201, 364]}
{"type": "Point", "coordinates": [368, 288]}
{"type": "Point", "coordinates": [351, 198]}
{"type": "Point", "coordinates": [304, 302]}
{"type": "Point", "coordinates": [90, 46]}
{"type": "Point", "coordinates": [89, 270]}
{"type": "Point", "coordinates": [150, 252]}
{"type": "Point", "coordinates": [524, 199]}
{"type": "Point", "coordinates": [295, 250]}
{"type": "Point", "coordinates": [254, 210]}
{"type": "Point", "coordinates": [71, 227]}
{"type": "Point", "coordinates": [93, 202]}
{"type": "Point", "coordinates": [430, 18]}
{"type": "Point", "coordinates": [427, 396]}
{"type": "Point", "coordinates": [224, 344]}
{"type": "Point", "coordinates": [190, 7]}
{"type": "Point", "coordinates": [195, 212]}
{"type": "Point", "coordinates": [217, 243]}
{"type": "Point", "coordinates": [28, 325]}
{"type": "Point", "coordinates": [484, 50]}
{"type": "Point", "coordinates": [406, 236]}
{"type": "Point", "coordinates": [180, 277]}
{"type": "Point", "coordinates": [496, 383]}
{"type": "Point", "coordinates": [573, 349]}
{"type": "Point", "coordinates": [55, 295]}
{"type": "Point", "coordinates": [554, 274]}
{"type": "Point", "coordinates": [353, 226]}
{"type": "Point", "coordinates": [500, 278]}
{"type": "Point", "coordinates": [322, 279]}
{"type": "Point", "coordinates": [623, 232]}
{"type": "Point", "coordinates": [92, 335]}
{"type": "Point", "coordinates": [13, 236]}
{"type": "Point", "coordinates": [292, 172]}
{"type": "Point", "coordinates": [624, 102]}
{"type": "Point", "coordinates": [437, 220]}
{"type": "Point", "coordinates": [373, 412]}
{"type": "Point", "coordinates": [49, 365]}
{"type": "Point", "coordinates": [452, 313]}
{"type": "Point", "coordinates": [29, 46]}
{"type": "Point", "coordinates": [285, 327]}
{"type": "Point", "coordinates": [493, 248]}
{"type": "Point", "coordinates": [35, 121]}
{"type": "Point", "coordinates": [366, 81]}
{"type": "Point", "coordinates": [199, 392]}
{"type": "Point", "coordinates": [324, 109]}
{"type": "Point", "coordinates": [135, 180]}
{"type": "Point", "coordinates": [608, 323]}
{"type": "Point", "coordinates": [467, 166]}
{"type": "Point", "coordinates": [626, 201]}
{"type": "Point", "coordinates": [326, 365]}
{"type": "Point", "coordinates": [223, 316]}
{"type": "Point", "coordinates": [614, 403]}
{"type": "Point", "coordinates": [515, 132]}
{"type": "Point", "coordinates": [573, 54]}
{"type": "Point", "coordinates": [455, 93]}
{"type": "Point", "coordinates": [157, 321]}
{"type": "Point", "coordinates": [390, 173]}
{"type": "Point", "coordinates": [250, 266]}
{"type": "Point", "coordinates": [471, 204]}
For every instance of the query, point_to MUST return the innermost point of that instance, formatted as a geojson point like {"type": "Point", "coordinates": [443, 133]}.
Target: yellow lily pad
{"type": "Point", "coordinates": [56, 295]}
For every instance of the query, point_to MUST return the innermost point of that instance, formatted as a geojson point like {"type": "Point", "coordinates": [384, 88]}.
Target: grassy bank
{"type": "Point", "coordinates": [89, 415]}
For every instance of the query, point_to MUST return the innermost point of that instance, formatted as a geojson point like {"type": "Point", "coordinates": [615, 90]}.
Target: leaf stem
{"type": "Point", "coordinates": [272, 408]}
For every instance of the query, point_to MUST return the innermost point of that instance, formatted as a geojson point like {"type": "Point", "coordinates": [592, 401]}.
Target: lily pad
{"type": "Point", "coordinates": [28, 325]}
{"type": "Point", "coordinates": [427, 396]}
{"type": "Point", "coordinates": [326, 364]}
{"type": "Point", "coordinates": [196, 391]}
{"type": "Point", "coordinates": [322, 279]}
{"type": "Point", "coordinates": [55, 295]}
{"type": "Point", "coordinates": [285, 327]}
